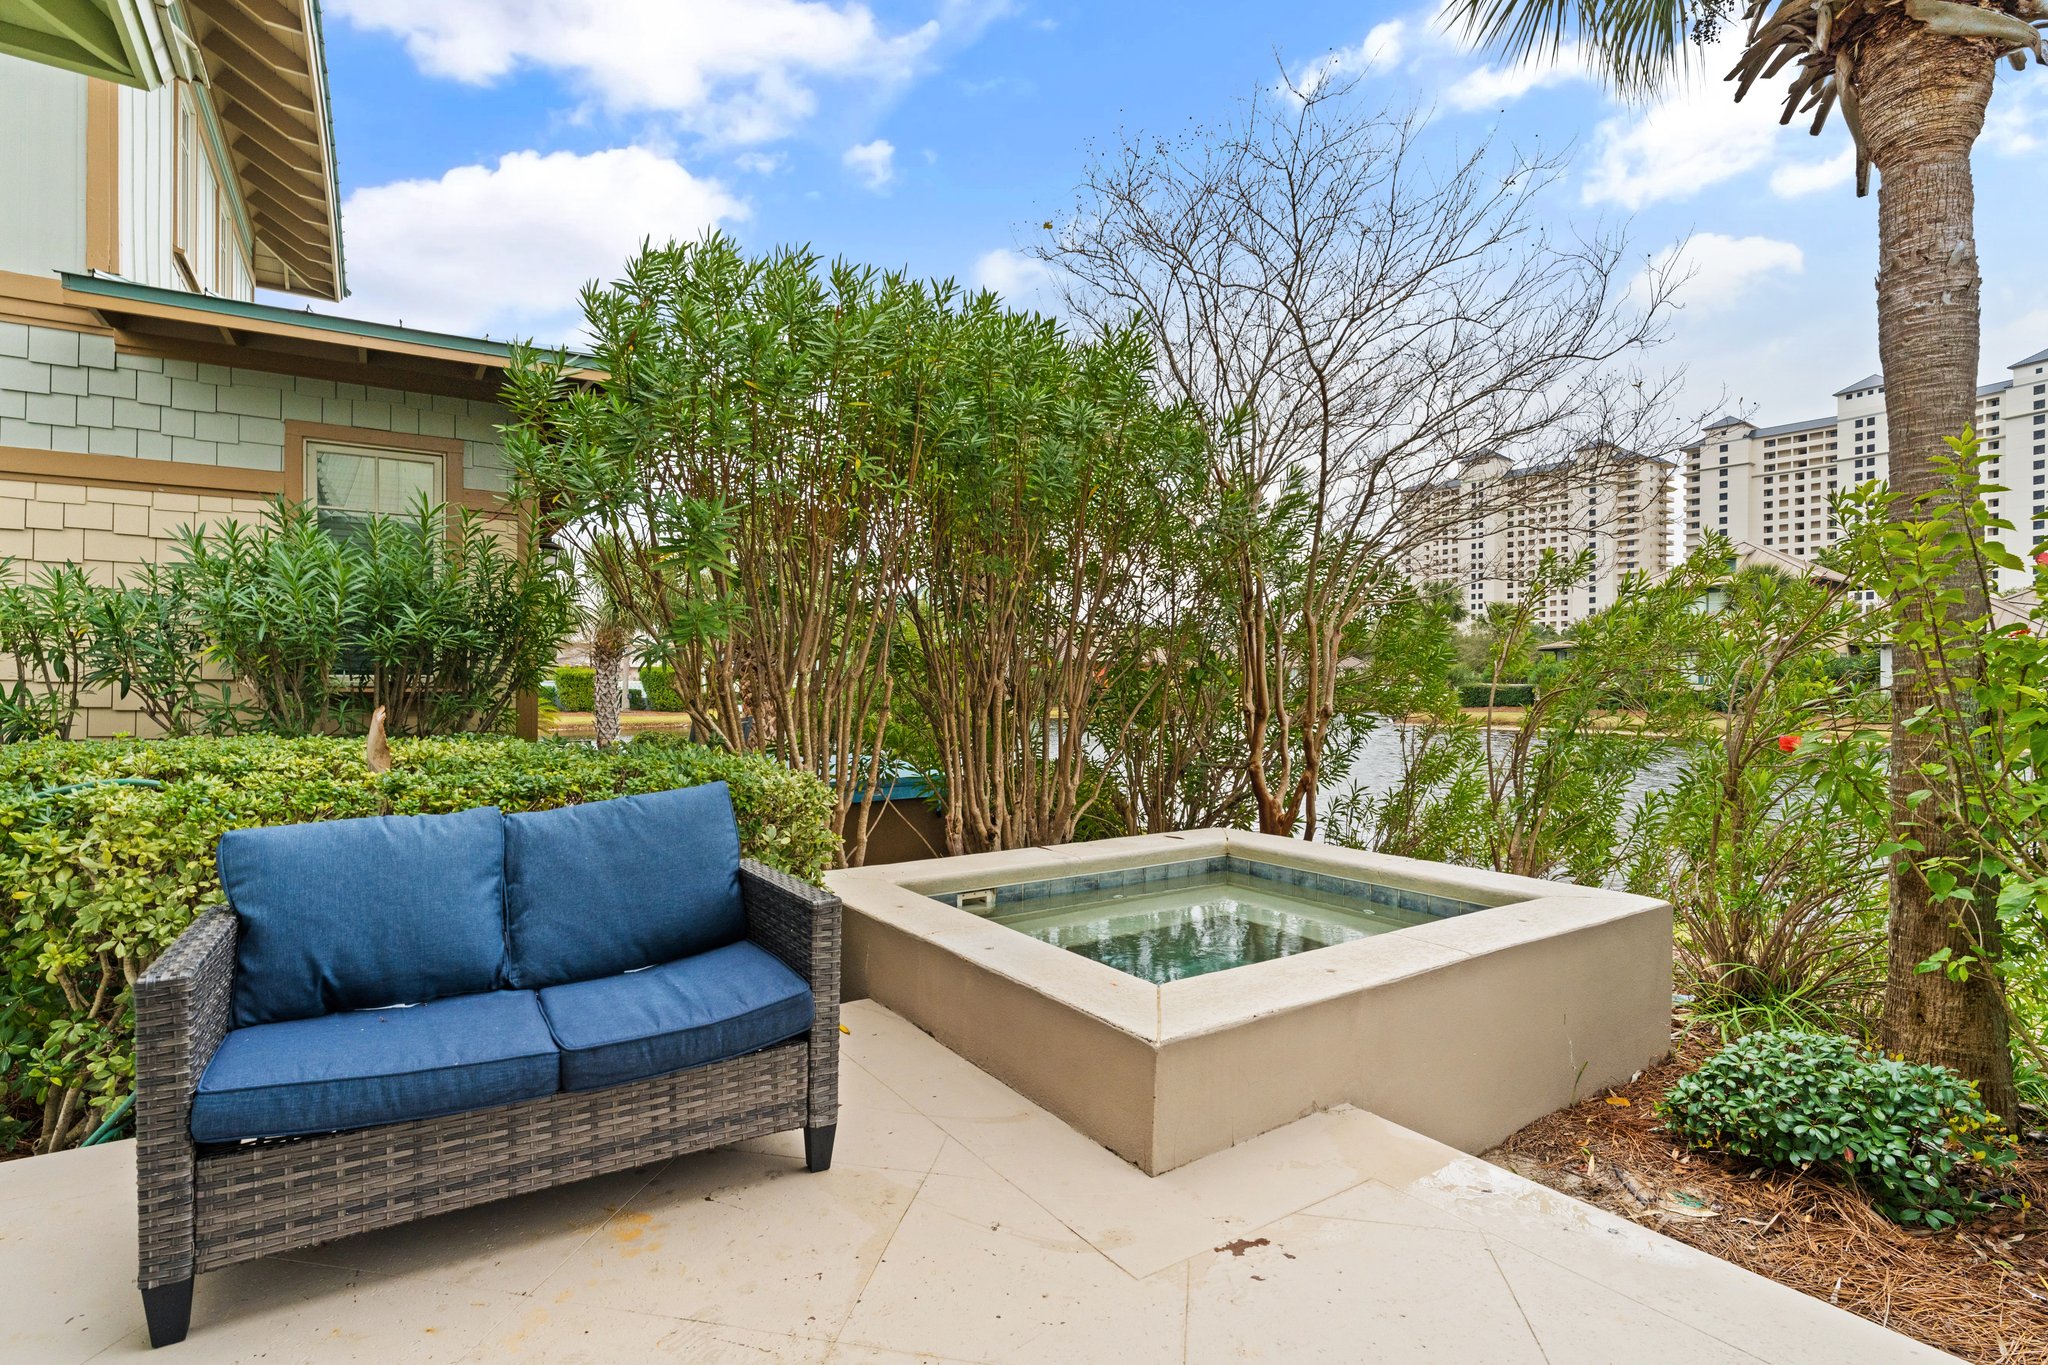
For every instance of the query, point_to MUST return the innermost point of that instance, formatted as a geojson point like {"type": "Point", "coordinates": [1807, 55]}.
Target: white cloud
{"type": "Point", "coordinates": [1491, 86]}
{"type": "Point", "coordinates": [2012, 126]}
{"type": "Point", "coordinates": [1694, 138]}
{"type": "Point", "coordinates": [735, 70]}
{"type": "Point", "coordinates": [1796, 178]}
{"type": "Point", "coordinates": [504, 249]}
{"type": "Point", "coordinates": [1383, 46]}
{"type": "Point", "coordinates": [874, 162]}
{"type": "Point", "coordinates": [1715, 271]}
{"type": "Point", "coordinates": [760, 163]}
{"type": "Point", "coordinates": [1023, 281]}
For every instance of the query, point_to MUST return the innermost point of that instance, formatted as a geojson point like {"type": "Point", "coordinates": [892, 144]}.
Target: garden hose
{"type": "Point", "coordinates": [105, 1131]}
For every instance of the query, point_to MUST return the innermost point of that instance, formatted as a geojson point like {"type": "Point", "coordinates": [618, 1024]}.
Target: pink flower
{"type": "Point", "coordinates": [1788, 742]}
{"type": "Point", "coordinates": [2042, 559]}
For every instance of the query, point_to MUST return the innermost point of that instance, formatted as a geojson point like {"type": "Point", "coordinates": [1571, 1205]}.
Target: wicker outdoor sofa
{"type": "Point", "coordinates": [251, 1140]}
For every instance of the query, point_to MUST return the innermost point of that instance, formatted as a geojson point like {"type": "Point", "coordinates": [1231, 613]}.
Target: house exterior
{"type": "Point", "coordinates": [1772, 486]}
{"type": "Point", "coordinates": [161, 161]}
{"type": "Point", "coordinates": [1486, 529]}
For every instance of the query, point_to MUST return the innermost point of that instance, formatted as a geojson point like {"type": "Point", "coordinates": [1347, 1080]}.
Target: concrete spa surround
{"type": "Point", "coordinates": [1464, 1029]}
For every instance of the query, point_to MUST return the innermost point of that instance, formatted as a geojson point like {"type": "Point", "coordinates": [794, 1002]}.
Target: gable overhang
{"type": "Point", "coordinates": [105, 39]}
{"type": "Point", "coordinates": [264, 65]}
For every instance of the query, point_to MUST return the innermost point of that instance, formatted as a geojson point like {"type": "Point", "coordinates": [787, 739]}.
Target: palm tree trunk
{"type": "Point", "coordinates": [1923, 102]}
{"type": "Point", "coordinates": [607, 649]}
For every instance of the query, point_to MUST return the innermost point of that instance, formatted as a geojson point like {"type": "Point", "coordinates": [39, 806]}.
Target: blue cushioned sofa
{"type": "Point", "coordinates": [399, 1016]}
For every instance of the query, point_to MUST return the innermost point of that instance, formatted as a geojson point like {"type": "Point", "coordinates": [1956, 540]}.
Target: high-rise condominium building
{"type": "Point", "coordinates": [1486, 529]}
{"type": "Point", "coordinates": [1771, 486]}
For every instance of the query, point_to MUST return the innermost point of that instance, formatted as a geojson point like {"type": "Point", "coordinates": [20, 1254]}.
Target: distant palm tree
{"type": "Point", "coordinates": [1912, 79]}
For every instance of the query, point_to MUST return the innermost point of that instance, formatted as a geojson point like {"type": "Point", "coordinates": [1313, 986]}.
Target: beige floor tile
{"type": "Point", "coordinates": [933, 1081]}
{"type": "Point", "coordinates": [861, 1087]}
{"type": "Point", "coordinates": [1372, 1202]}
{"type": "Point", "coordinates": [509, 1246]}
{"type": "Point", "coordinates": [1701, 1291]}
{"type": "Point", "coordinates": [895, 1140]}
{"type": "Point", "coordinates": [88, 1171]}
{"type": "Point", "coordinates": [741, 1238]}
{"type": "Point", "coordinates": [980, 1272]}
{"type": "Point", "coordinates": [566, 1334]}
{"type": "Point", "coordinates": [280, 1312]}
{"type": "Point", "coordinates": [957, 1160]}
{"type": "Point", "coordinates": [67, 1261]}
{"type": "Point", "coordinates": [844, 1354]}
{"type": "Point", "coordinates": [1314, 1289]}
{"type": "Point", "coordinates": [1578, 1322]}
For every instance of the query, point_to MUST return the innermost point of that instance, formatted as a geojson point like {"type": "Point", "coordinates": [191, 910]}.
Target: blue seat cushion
{"type": "Point", "coordinates": [367, 1067]}
{"type": "Point", "coordinates": [719, 1004]}
{"type": "Point", "coordinates": [609, 886]}
{"type": "Point", "coordinates": [356, 914]}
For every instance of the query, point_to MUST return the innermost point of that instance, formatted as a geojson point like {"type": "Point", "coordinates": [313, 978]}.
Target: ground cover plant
{"type": "Point", "coordinates": [1979, 1290]}
{"type": "Point", "coordinates": [1914, 1137]}
{"type": "Point", "coordinates": [106, 851]}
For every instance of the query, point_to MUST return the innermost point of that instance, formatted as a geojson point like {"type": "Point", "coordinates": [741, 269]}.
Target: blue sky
{"type": "Point", "coordinates": [496, 153]}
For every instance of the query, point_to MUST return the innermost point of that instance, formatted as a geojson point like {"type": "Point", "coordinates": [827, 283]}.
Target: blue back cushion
{"type": "Point", "coordinates": [608, 886]}
{"type": "Point", "coordinates": [358, 914]}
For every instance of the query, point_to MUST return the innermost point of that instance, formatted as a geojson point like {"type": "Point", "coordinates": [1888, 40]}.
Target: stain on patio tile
{"type": "Point", "coordinates": [743, 1238]}
{"type": "Point", "coordinates": [1327, 1289]}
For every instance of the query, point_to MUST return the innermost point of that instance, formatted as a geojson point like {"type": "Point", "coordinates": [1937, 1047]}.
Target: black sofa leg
{"type": "Point", "coordinates": [169, 1311]}
{"type": "Point", "coordinates": [818, 1147]}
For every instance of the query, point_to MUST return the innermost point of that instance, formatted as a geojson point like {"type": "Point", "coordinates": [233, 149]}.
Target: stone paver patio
{"type": "Point", "coordinates": [961, 1222]}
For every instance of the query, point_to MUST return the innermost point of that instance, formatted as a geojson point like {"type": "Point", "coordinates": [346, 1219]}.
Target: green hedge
{"type": "Point", "coordinates": [660, 687]}
{"type": "Point", "coordinates": [575, 689]}
{"type": "Point", "coordinates": [100, 879]}
{"type": "Point", "coordinates": [1507, 694]}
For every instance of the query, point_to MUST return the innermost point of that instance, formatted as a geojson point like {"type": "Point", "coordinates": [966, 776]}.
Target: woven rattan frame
{"type": "Point", "coordinates": [203, 1207]}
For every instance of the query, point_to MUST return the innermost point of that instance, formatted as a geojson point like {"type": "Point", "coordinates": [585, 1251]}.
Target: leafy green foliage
{"type": "Point", "coordinates": [1970, 815]}
{"type": "Point", "coordinates": [102, 877]}
{"type": "Point", "coordinates": [1915, 1138]}
{"type": "Point", "coordinates": [1482, 695]}
{"type": "Point", "coordinates": [46, 632]}
{"type": "Point", "coordinates": [658, 686]}
{"type": "Point", "coordinates": [575, 688]}
{"type": "Point", "coordinates": [1764, 843]}
{"type": "Point", "coordinates": [434, 617]}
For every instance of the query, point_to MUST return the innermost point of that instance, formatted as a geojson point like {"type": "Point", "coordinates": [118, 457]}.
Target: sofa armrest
{"type": "Point", "coordinates": [799, 924]}
{"type": "Point", "coordinates": [182, 1008]}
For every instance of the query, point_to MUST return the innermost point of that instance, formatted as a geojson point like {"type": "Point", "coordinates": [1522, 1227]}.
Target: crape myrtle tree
{"type": "Point", "coordinates": [737, 484]}
{"type": "Point", "coordinates": [1046, 500]}
{"type": "Point", "coordinates": [843, 505]}
{"type": "Point", "coordinates": [1912, 80]}
{"type": "Point", "coordinates": [1350, 319]}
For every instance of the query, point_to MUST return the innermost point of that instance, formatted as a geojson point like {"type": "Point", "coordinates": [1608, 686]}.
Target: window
{"type": "Point", "coordinates": [352, 483]}
{"type": "Point", "coordinates": [190, 161]}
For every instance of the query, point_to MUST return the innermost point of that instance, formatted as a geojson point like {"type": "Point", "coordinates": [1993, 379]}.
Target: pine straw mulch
{"type": "Point", "coordinates": [1979, 1291]}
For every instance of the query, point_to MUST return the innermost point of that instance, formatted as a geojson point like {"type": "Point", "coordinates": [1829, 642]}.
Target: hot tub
{"type": "Point", "coordinates": [1173, 994]}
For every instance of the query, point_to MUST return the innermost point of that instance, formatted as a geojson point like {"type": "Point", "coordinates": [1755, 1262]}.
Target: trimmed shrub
{"type": "Point", "coordinates": [1507, 694]}
{"type": "Point", "coordinates": [660, 686]}
{"type": "Point", "coordinates": [575, 689]}
{"type": "Point", "coordinates": [101, 877]}
{"type": "Point", "coordinates": [1910, 1136]}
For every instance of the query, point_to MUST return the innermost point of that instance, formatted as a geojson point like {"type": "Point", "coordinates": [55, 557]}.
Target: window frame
{"type": "Point", "coordinates": [313, 447]}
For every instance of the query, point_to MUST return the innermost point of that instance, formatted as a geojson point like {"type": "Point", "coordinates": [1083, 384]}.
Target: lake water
{"type": "Point", "coordinates": [1378, 770]}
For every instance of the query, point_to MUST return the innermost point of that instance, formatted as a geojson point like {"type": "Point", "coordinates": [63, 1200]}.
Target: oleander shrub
{"type": "Point", "coordinates": [1507, 694]}
{"type": "Point", "coordinates": [106, 854]}
{"type": "Point", "coordinates": [1914, 1138]}
{"type": "Point", "coordinates": [575, 689]}
{"type": "Point", "coordinates": [660, 686]}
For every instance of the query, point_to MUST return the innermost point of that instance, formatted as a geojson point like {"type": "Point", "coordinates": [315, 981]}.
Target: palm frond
{"type": "Point", "coordinates": [1636, 45]}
